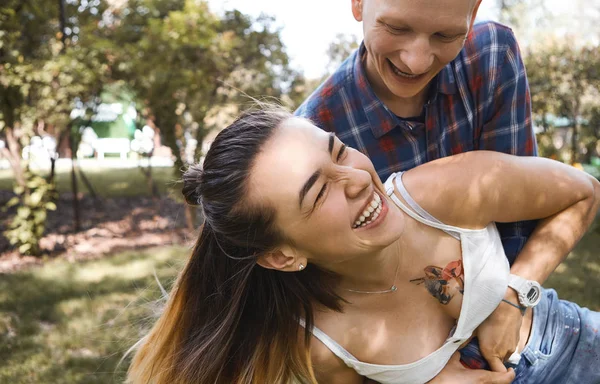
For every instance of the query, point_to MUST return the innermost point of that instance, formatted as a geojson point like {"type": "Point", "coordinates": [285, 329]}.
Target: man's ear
{"type": "Point", "coordinates": [282, 259]}
{"type": "Point", "coordinates": [357, 6]}
{"type": "Point", "coordinates": [474, 14]}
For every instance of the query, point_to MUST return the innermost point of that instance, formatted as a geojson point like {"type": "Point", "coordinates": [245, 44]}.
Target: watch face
{"type": "Point", "coordinates": [533, 295]}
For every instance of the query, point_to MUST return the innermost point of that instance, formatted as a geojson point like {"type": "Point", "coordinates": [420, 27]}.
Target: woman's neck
{"type": "Point", "coordinates": [374, 272]}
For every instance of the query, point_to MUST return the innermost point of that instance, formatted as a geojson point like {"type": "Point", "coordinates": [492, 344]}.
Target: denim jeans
{"type": "Point", "coordinates": [563, 347]}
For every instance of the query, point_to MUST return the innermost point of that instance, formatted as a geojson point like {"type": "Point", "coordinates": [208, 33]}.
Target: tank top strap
{"type": "Point", "coordinates": [417, 212]}
{"type": "Point", "coordinates": [333, 346]}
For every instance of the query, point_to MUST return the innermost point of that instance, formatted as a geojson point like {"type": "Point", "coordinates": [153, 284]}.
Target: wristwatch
{"type": "Point", "coordinates": [529, 291]}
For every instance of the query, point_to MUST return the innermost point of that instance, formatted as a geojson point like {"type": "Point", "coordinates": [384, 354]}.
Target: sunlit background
{"type": "Point", "coordinates": [103, 103]}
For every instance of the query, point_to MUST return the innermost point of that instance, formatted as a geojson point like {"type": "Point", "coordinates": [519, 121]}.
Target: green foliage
{"type": "Point", "coordinates": [177, 60]}
{"type": "Point", "coordinates": [40, 77]}
{"type": "Point", "coordinates": [337, 52]}
{"type": "Point", "coordinates": [184, 61]}
{"type": "Point", "coordinates": [43, 75]}
{"type": "Point", "coordinates": [564, 79]}
{"type": "Point", "coordinates": [28, 224]}
{"type": "Point", "coordinates": [340, 49]}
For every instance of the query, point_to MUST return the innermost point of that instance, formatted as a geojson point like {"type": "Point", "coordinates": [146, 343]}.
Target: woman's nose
{"type": "Point", "coordinates": [357, 181]}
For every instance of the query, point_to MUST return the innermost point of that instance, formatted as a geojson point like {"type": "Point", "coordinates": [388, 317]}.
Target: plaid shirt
{"type": "Point", "coordinates": [480, 100]}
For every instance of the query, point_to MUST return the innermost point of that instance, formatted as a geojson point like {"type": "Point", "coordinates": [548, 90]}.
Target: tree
{"type": "Point", "coordinates": [510, 11]}
{"type": "Point", "coordinates": [183, 61]}
{"type": "Point", "coordinates": [339, 49]}
{"type": "Point", "coordinates": [565, 82]}
{"type": "Point", "coordinates": [40, 80]}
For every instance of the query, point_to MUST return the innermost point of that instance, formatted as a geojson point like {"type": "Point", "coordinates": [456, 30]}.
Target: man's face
{"type": "Point", "coordinates": [408, 42]}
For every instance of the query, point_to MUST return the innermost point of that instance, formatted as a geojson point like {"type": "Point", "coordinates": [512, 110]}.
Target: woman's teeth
{"type": "Point", "coordinates": [370, 213]}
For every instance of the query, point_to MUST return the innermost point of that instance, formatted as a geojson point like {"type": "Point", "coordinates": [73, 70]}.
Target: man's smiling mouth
{"type": "Point", "coordinates": [402, 74]}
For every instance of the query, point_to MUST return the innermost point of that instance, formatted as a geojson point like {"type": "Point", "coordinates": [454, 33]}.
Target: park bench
{"type": "Point", "coordinates": [112, 145]}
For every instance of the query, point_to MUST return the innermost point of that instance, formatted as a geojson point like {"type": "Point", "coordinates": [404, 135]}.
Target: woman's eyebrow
{"type": "Point", "coordinates": [331, 142]}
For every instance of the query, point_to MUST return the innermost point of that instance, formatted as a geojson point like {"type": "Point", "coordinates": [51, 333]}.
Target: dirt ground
{"type": "Point", "coordinates": [107, 225]}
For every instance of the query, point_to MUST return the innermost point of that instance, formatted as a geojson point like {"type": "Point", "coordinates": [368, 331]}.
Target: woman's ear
{"type": "Point", "coordinates": [282, 259]}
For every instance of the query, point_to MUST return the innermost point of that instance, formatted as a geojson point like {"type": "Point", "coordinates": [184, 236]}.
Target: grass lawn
{"type": "Point", "coordinates": [578, 277]}
{"type": "Point", "coordinates": [71, 323]}
{"type": "Point", "coordinates": [107, 182]}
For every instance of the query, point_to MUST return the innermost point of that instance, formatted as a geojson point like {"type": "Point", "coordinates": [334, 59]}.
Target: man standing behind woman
{"type": "Point", "coordinates": [427, 82]}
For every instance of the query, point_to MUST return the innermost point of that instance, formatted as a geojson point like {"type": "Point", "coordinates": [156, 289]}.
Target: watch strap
{"type": "Point", "coordinates": [519, 307]}
{"type": "Point", "coordinates": [517, 283]}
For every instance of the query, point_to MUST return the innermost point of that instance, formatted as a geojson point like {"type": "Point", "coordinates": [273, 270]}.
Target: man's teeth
{"type": "Point", "coordinates": [399, 73]}
{"type": "Point", "coordinates": [370, 213]}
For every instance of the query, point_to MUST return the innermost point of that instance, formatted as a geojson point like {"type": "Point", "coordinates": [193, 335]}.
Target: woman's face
{"type": "Point", "coordinates": [328, 199]}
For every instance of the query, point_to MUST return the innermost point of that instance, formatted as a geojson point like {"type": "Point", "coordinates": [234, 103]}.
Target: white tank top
{"type": "Point", "coordinates": [486, 272]}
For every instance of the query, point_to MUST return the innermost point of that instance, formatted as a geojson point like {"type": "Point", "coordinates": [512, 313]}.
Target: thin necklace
{"type": "Point", "coordinates": [393, 288]}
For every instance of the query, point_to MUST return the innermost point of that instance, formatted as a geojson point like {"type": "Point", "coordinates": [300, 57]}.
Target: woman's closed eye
{"type": "Point", "coordinates": [341, 152]}
{"type": "Point", "coordinates": [321, 193]}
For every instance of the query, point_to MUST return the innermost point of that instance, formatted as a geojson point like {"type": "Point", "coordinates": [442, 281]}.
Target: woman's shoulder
{"type": "Point", "coordinates": [329, 368]}
{"type": "Point", "coordinates": [452, 189]}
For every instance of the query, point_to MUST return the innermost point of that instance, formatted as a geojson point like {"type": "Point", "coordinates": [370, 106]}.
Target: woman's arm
{"type": "Point", "coordinates": [476, 188]}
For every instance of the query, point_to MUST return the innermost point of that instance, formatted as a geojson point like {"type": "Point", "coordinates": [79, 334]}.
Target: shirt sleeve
{"type": "Point", "coordinates": [508, 129]}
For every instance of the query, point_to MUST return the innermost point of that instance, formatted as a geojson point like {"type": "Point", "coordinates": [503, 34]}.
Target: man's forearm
{"type": "Point", "coordinates": [554, 237]}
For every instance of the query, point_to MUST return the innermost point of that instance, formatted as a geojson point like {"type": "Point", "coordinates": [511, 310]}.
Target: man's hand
{"type": "Point", "coordinates": [499, 334]}
{"type": "Point", "coordinates": [455, 373]}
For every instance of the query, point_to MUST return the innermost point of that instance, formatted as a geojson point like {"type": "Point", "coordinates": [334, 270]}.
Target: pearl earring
{"type": "Point", "coordinates": [301, 267]}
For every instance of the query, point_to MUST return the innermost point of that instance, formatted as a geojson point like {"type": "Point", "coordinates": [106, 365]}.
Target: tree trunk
{"type": "Point", "coordinates": [190, 217]}
{"type": "Point", "coordinates": [147, 172]}
{"type": "Point", "coordinates": [13, 154]}
{"type": "Point", "coordinates": [575, 135]}
{"type": "Point", "coordinates": [171, 142]}
{"type": "Point", "coordinates": [61, 17]}
{"type": "Point", "coordinates": [76, 221]}
{"type": "Point", "coordinates": [50, 178]}
{"type": "Point", "coordinates": [200, 136]}
{"type": "Point", "coordinates": [574, 144]}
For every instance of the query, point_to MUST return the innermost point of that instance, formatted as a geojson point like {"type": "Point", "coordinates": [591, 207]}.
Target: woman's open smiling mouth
{"type": "Point", "coordinates": [372, 214]}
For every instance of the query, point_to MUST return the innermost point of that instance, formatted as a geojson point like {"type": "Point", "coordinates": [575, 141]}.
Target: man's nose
{"type": "Point", "coordinates": [417, 56]}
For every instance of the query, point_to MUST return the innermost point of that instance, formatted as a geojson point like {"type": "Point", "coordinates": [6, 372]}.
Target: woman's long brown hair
{"type": "Point", "coordinates": [228, 320]}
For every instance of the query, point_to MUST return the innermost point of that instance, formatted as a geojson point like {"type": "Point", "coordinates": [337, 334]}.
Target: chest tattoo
{"type": "Point", "coordinates": [443, 283]}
